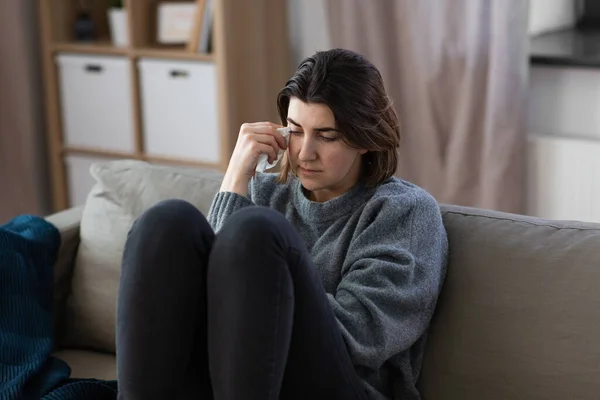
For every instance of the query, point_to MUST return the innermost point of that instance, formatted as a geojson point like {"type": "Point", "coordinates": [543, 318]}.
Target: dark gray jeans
{"type": "Point", "coordinates": [239, 315]}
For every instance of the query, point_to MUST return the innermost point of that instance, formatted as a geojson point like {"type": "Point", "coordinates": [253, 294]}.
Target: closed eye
{"type": "Point", "coordinates": [323, 138]}
{"type": "Point", "coordinates": [329, 139]}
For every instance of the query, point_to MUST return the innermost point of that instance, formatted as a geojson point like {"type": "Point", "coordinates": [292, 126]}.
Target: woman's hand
{"type": "Point", "coordinates": [253, 140]}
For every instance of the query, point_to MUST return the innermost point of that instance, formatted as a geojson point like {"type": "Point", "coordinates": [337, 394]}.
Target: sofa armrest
{"type": "Point", "coordinates": [67, 222]}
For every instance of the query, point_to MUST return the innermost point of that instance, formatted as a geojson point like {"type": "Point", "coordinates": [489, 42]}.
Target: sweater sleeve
{"type": "Point", "coordinates": [261, 190]}
{"type": "Point", "coordinates": [391, 278]}
{"type": "Point", "coordinates": [223, 205]}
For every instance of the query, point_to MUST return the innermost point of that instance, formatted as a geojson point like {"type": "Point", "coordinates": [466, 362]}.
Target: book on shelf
{"type": "Point", "coordinates": [201, 33]}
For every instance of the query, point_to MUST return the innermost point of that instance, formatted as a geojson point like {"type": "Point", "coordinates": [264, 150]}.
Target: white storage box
{"type": "Point", "coordinates": [96, 101]}
{"type": "Point", "coordinates": [79, 179]}
{"type": "Point", "coordinates": [179, 110]}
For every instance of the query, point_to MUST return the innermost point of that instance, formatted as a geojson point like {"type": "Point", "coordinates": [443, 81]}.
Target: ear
{"type": "Point", "coordinates": [362, 151]}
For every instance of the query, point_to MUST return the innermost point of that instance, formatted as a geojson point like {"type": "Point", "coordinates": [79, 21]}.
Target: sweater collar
{"type": "Point", "coordinates": [332, 209]}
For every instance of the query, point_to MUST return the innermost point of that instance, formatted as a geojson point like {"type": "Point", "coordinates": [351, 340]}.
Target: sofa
{"type": "Point", "coordinates": [518, 316]}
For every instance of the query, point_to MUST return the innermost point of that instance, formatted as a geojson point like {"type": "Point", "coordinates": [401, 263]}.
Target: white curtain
{"type": "Point", "coordinates": [457, 72]}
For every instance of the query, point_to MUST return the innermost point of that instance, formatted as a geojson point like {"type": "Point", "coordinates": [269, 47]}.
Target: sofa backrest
{"type": "Point", "coordinates": [519, 313]}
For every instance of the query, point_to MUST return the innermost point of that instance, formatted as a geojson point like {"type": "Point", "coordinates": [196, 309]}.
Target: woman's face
{"type": "Point", "coordinates": [324, 163]}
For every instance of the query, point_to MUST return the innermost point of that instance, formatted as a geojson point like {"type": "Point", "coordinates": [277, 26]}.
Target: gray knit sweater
{"type": "Point", "coordinates": [381, 253]}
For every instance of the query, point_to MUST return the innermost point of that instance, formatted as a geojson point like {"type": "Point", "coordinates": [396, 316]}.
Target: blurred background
{"type": "Point", "coordinates": [498, 98]}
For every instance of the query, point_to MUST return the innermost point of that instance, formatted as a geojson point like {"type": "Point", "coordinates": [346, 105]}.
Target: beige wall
{"type": "Point", "coordinates": [308, 29]}
{"type": "Point", "coordinates": [23, 178]}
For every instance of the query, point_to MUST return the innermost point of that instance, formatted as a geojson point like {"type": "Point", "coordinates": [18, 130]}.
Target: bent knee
{"type": "Point", "coordinates": [255, 223]}
{"type": "Point", "coordinates": [169, 218]}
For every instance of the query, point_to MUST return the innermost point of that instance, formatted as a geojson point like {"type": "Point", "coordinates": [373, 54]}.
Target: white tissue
{"type": "Point", "coordinates": [263, 163]}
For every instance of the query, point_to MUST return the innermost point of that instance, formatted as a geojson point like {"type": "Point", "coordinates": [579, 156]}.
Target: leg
{"type": "Point", "coordinates": [161, 308]}
{"type": "Point", "coordinates": [272, 333]}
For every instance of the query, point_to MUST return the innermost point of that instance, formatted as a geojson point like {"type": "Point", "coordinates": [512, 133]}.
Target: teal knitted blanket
{"type": "Point", "coordinates": [28, 249]}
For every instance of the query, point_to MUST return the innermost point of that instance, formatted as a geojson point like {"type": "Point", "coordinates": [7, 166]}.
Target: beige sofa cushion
{"type": "Point", "coordinates": [89, 364]}
{"type": "Point", "coordinates": [124, 189]}
{"type": "Point", "coordinates": [519, 314]}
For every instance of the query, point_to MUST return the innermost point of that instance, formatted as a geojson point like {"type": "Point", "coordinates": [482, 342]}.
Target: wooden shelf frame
{"type": "Point", "coordinates": [252, 65]}
{"type": "Point", "coordinates": [150, 52]}
{"type": "Point", "coordinates": [105, 48]}
{"type": "Point", "coordinates": [110, 154]}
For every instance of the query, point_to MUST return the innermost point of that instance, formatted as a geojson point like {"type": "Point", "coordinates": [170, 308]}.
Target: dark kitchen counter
{"type": "Point", "coordinates": [566, 48]}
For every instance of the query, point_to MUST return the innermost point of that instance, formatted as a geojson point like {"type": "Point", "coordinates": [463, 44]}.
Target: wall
{"type": "Point", "coordinates": [23, 172]}
{"type": "Point", "coordinates": [308, 29]}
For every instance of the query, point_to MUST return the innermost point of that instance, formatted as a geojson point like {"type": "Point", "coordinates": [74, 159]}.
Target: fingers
{"type": "Point", "coordinates": [261, 148]}
{"type": "Point", "coordinates": [256, 128]}
{"type": "Point", "coordinates": [270, 141]}
{"type": "Point", "coordinates": [265, 123]}
{"type": "Point", "coordinates": [280, 139]}
{"type": "Point", "coordinates": [266, 128]}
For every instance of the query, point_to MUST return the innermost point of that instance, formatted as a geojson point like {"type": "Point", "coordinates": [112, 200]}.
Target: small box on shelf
{"type": "Point", "coordinates": [175, 21]}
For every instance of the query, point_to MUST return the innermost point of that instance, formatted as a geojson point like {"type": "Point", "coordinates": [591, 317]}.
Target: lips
{"type": "Point", "coordinates": [308, 171]}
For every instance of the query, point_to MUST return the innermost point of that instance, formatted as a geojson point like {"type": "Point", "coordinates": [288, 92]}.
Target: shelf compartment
{"type": "Point", "coordinates": [62, 15]}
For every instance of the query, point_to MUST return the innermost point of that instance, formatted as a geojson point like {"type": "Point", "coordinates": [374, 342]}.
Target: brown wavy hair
{"type": "Point", "coordinates": [353, 89]}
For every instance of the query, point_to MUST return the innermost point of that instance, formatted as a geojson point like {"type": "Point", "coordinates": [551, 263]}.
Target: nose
{"type": "Point", "coordinates": [307, 149]}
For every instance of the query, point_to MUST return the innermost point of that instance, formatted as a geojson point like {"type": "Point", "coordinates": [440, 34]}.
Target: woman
{"type": "Point", "coordinates": [324, 290]}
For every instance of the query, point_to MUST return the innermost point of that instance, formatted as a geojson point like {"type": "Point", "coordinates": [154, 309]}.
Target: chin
{"type": "Point", "coordinates": [310, 184]}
